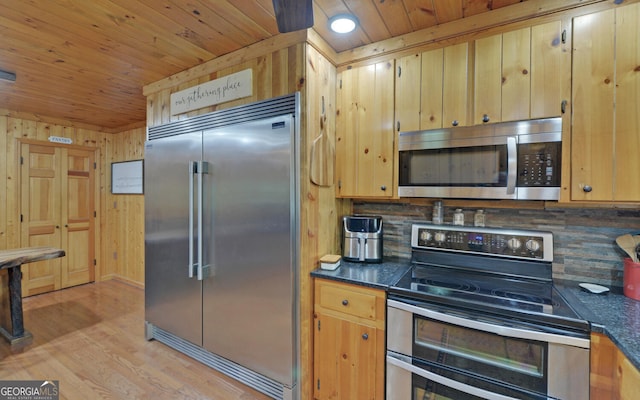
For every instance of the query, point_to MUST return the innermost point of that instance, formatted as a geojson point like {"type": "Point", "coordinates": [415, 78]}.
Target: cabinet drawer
{"type": "Point", "coordinates": [347, 300]}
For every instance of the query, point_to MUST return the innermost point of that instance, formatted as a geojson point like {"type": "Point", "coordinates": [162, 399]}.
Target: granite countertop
{"type": "Point", "coordinates": [612, 314]}
{"type": "Point", "coordinates": [375, 275]}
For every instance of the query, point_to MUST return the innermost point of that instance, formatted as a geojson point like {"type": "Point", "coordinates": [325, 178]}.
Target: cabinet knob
{"type": "Point", "coordinates": [587, 188]}
{"type": "Point", "coordinates": [365, 336]}
{"type": "Point", "coordinates": [345, 302]}
{"type": "Point", "coordinates": [485, 118]}
{"type": "Point", "coordinates": [383, 187]}
{"type": "Point", "coordinates": [454, 122]}
{"type": "Point", "coordinates": [57, 226]}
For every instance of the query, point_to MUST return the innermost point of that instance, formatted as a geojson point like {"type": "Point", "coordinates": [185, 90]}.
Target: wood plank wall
{"type": "Point", "coordinates": [276, 72]}
{"type": "Point", "coordinates": [123, 223]}
{"type": "Point", "coordinates": [120, 225]}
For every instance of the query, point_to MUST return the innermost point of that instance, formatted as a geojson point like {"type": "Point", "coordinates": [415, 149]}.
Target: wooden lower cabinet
{"type": "Point", "coordinates": [349, 341]}
{"type": "Point", "coordinates": [612, 374]}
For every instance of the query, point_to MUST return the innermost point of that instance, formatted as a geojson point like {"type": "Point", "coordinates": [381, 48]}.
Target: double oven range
{"type": "Point", "coordinates": [477, 317]}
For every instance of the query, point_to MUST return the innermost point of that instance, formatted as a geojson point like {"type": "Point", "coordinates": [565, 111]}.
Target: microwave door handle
{"type": "Point", "coordinates": [512, 164]}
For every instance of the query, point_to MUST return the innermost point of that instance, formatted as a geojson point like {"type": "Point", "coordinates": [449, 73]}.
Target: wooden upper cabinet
{"type": "Point", "coordinates": [487, 96]}
{"type": "Point", "coordinates": [606, 103]}
{"type": "Point", "coordinates": [365, 134]}
{"type": "Point", "coordinates": [511, 76]}
{"type": "Point", "coordinates": [455, 85]}
{"type": "Point", "coordinates": [550, 63]}
{"type": "Point", "coordinates": [518, 74]}
{"type": "Point", "coordinates": [409, 81]}
{"type": "Point", "coordinates": [432, 89]}
{"type": "Point", "coordinates": [627, 104]}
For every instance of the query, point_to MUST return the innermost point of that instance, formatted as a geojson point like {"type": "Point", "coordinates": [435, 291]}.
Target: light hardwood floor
{"type": "Point", "coordinates": [91, 339]}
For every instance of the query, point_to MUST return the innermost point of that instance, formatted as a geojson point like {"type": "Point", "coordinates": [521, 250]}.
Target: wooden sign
{"type": "Point", "coordinates": [227, 88]}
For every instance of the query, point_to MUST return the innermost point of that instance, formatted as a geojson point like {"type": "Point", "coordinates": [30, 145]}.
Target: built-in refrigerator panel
{"type": "Point", "coordinates": [248, 218]}
{"type": "Point", "coordinates": [173, 300]}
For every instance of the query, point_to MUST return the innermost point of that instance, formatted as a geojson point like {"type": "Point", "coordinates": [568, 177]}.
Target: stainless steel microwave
{"type": "Point", "coordinates": [510, 160]}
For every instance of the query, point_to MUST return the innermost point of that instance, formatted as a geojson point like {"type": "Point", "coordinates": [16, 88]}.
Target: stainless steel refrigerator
{"type": "Point", "coordinates": [221, 239]}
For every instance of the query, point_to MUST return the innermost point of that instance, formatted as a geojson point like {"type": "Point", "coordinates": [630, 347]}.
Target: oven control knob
{"type": "Point", "coordinates": [440, 237]}
{"type": "Point", "coordinates": [425, 236]}
{"type": "Point", "coordinates": [532, 245]}
{"type": "Point", "coordinates": [514, 243]}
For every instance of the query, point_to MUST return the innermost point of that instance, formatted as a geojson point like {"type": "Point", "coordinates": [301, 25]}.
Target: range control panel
{"type": "Point", "coordinates": [512, 243]}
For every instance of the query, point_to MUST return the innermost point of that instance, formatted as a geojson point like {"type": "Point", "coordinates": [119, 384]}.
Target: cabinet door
{"type": "Point", "coordinates": [592, 154]}
{"type": "Point", "coordinates": [455, 85]}
{"type": "Point", "coordinates": [487, 95]}
{"type": "Point", "coordinates": [612, 374]}
{"type": "Point", "coordinates": [627, 106]}
{"type": "Point", "coordinates": [603, 360]}
{"type": "Point", "coordinates": [408, 102]}
{"type": "Point", "coordinates": [345, 355]}
{"type": "Point", "coordinates": [365, 145]}
{"type": "Point", "coordinates": [40, 214]}
{"type": "Point", "coordinates": [516, 76]}
{"type": "Point", "coordinates": [419, 91]}
{"type": "Point", "coordinates": [547, 70]}
{"type": "Point", "coordinates": [431, 113]}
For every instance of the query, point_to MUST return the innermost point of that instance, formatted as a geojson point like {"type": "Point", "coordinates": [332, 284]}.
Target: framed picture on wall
{"type": "Point", "coordinates": [127, 177]}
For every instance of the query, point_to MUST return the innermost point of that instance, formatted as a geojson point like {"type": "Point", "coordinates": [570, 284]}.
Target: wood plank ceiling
{"type": "Point", "coordinates": [86, 61]}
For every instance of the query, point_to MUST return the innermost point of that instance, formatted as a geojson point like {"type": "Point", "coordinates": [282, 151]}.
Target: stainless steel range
{"type": "Point", "coordinates": [477, 317]}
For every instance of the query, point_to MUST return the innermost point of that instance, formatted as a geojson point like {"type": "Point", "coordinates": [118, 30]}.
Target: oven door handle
{"type": "Point", "coordinates": [459, 386]}
{"type": "Point", "coordinates": [501, 330]}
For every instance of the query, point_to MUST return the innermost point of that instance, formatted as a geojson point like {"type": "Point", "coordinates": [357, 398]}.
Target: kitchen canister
{"type": "Point", "coordinates": [631, 279]}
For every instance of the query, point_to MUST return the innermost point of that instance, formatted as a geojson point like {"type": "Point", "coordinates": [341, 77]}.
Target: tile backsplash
{"type": "Point", "coordinates": [585, 249]}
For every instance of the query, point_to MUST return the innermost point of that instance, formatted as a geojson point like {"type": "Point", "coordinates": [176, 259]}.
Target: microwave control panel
{"type": "Point", "coordinates": [520, 244]}
{"type": "Point", "coordinates": [539, 164]}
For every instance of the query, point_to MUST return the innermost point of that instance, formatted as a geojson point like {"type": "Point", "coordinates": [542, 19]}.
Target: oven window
{"type": "Point", "coordinates": [513, 361]}
{"type": "Point", "coordinates": [484, 166]}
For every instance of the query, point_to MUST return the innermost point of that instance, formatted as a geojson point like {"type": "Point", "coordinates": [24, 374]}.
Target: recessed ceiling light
{"type": "Point", "coordinates": [343, 23]}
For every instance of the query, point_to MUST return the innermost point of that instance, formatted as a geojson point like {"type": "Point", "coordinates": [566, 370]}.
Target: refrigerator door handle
{"type": "Point", "coordinates": [202, 170]}
{"type": "Point", "coordinates": [192, 171]}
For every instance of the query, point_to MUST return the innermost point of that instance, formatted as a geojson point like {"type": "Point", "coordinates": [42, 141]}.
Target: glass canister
{"type": "Point", "coordinates": [437, 216]}
{"type": "Point", "coordinates": [479, 218]}
{"type": "Point", "coordinates": [458, 217]}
